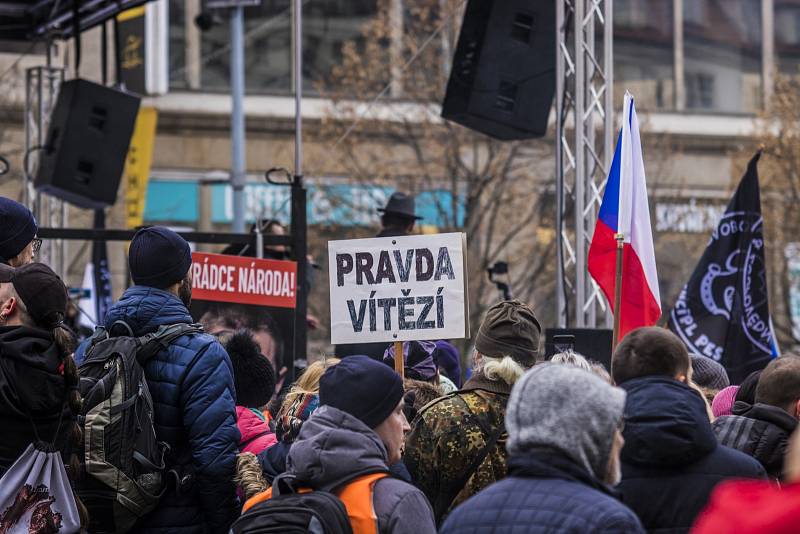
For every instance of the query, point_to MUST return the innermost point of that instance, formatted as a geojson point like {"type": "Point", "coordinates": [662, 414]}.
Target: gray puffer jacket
{"type": "Point", "coordinates": [334, 447]}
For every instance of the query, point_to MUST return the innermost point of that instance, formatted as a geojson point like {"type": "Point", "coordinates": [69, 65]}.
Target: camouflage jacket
{"type": "Point", "coordinates": [447, 437]}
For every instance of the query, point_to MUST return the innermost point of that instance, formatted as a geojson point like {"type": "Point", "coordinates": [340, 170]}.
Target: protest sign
{"type": "Point", "coordinates": [234, 292]}
{"type": "Point", "coordinates": [398, 288]}
{"type": "Point", "coordinates": [242, 280]}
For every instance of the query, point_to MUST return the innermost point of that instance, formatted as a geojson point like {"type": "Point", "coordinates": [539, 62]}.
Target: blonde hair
{"type": "Point", "coordinates": [699, 390]}
{"type": "Point", "coordinates": [308, 383]}
{"type": "Point", "coordinates": [504, 369]}
{"type": "Point", "coordinates": [570, 357]}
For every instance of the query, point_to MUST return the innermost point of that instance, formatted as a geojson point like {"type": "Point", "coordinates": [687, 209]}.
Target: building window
{"type": "Point", "coordinates": [787, 36]}
{"type": "Point", "coordinates": [722, 54]}
{"type": "Point", "coordinates": [268, 54]}
{"type": "Point", "coordinates": [699, 90]}
{"type": "Point", "coordinates": [644, 52]}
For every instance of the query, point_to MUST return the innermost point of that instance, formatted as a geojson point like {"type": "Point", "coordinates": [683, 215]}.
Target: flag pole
{"type": "Point", "coordinates": [620, 237]}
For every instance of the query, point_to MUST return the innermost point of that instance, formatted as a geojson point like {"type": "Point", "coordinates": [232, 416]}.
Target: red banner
{"type": "Point", "coordinates": [242, 280]}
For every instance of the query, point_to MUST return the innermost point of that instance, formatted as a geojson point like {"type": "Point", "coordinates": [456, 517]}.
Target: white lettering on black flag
{"type": "Point", "coordinates": [398, 288]}
{"type": "Point", "coordinates": [723, 311]}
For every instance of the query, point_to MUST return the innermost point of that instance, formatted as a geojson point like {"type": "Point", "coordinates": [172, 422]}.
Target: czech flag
{"type": "Point", "coordinates": [625, 210]}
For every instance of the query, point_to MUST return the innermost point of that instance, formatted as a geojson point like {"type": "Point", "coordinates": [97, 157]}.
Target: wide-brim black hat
{"type": "Point", "coordinates": [401, 204]}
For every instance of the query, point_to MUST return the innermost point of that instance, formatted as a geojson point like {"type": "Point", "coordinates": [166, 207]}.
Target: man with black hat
{"type": "Point", "coordinates": [18, 241]}
{"type": "Point", "coordinates": [399, 216]}
{"type": "Point", "coordinates": [397, 219]}
{"type": "Point", "coordinates": [457, 444]}
{"type": "Point", "coordinates": [192, 385]}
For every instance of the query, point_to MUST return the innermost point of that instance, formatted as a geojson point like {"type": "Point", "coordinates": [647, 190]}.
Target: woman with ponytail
{"type": "Point", "coordinates": [39, 399]}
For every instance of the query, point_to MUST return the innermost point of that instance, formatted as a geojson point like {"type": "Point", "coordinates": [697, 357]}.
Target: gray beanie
{"type": "Point", "coordinates": [709, 374]}
{"type": "Point", "coordinates": [568, 409]}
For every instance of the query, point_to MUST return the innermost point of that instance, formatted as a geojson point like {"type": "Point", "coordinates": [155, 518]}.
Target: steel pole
{"type": "Point", "coordinates": [299, 223]}
{"type": "Point", "coordinates": [238, 163]}
{"type": "Point", "coordinates": [561, 298]}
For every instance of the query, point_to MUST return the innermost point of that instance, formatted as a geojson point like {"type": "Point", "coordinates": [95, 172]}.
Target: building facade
{"type": "Point", "coordinates": [701, 71]}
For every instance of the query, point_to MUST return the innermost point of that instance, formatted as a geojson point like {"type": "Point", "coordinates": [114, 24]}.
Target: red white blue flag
{"type": "Point", "coordinates": [625, 210]}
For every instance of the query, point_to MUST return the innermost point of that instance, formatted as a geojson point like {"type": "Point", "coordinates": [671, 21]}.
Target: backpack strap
{"type": "Point", "coordinates": [154, 342]}
{"type": "Point", "coordinates": [357, 496]}
{"type": "Point", "coordinates": [445, 499]}
{"type": "Point", "coordinates": [125, 325]}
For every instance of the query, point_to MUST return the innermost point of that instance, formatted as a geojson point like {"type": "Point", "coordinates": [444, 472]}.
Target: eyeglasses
{"type": "Point", "coordinates": [37, 244]}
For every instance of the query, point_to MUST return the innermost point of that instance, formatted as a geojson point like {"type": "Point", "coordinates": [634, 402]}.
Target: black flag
{"type": "Point", "coordinates": [723, 312]}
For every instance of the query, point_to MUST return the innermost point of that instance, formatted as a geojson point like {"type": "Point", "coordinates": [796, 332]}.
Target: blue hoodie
{"type": "Point", "coordinates": [671, 460]}
{"type": "Point", "coordinates": [194, 400]}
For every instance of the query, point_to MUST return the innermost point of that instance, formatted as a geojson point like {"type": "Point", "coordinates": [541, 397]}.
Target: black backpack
{"type": "Point", "coordinates": [123, 463]}
{"type": "Point", "coordinates": [291, 512]}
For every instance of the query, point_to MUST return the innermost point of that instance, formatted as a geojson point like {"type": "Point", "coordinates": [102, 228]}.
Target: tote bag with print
{"type": "Point", "coordinates": [36, 496]}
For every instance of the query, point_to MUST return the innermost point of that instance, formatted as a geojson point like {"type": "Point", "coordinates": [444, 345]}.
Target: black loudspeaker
{"type": "Point", "coordinates": [594, 343]}
{"type": "Point", "coordinates": [84, 155]}
{"type": "Point", "coordinates": [504, 70]}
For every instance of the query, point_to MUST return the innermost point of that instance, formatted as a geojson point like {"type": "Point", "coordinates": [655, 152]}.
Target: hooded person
{"type": "Point", "coordinates": [746, 395]}
{"type": "Point", "coordinates": [762, 429]}
{"type": "Point", "coordinates": [192, 386]}
{"type": "Point", "coordinates": [255, 383]}
{"type": "Point", "coordinates": [448, 360]}
{"type": "Point", "coordinates": [457, 444]}
{"type": "Point", "coordinates": [564, 442]}
{"type": "Point", "coordinates": [419, 363]}
{"type": "Point", "coordinates": [18, 241]}
{"type": "Point", "coordinates": [39, 398]}
{"type": "Point", "coordinates": [347, 445]}
{"type": "Point", "coordinates": [671, 460]}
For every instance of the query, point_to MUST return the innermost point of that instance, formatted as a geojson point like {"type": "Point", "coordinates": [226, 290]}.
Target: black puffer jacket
{"type": "Point", "coordinates": [32, 392]}
{"type": "Point", "coordinates": [761, 431]}
{"type": "Point", "coordinates": [671, 460]}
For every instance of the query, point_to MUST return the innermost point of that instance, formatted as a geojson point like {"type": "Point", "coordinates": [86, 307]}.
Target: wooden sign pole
{"type": "Point", "coordinates": [399, 361]}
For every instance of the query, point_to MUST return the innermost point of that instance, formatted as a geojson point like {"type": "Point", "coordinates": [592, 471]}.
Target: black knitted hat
{"type": "Point", "coordinates": [17, 228]}
{"type": "Point", "coordinates": [252, 373]}
{"type": "Point", "coordinates": [365, 388]}
{"type": "Point", "coordinates": [158, 257]}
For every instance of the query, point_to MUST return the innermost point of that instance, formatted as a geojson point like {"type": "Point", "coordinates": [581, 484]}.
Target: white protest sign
{"type": "Point", "coordinates": [398, 288]}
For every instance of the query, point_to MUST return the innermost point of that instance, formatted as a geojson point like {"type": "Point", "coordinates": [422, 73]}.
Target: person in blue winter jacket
{"type": "Point", "coordinates": [564, 439]}
{"type": "Point", "coordinates": [671, 461]}
{"type": "Point", "coordinates": [192, 385]}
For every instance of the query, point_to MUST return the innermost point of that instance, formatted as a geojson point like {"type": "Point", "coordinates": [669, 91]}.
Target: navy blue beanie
{"type": "Point", "coordinates": [365, 388]}
{"type": "Point", "coordinates": [158, 257]}
{"type": "Point", "coordinates": [17, 228]}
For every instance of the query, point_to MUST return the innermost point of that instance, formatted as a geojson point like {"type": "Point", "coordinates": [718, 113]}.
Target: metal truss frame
{"type": "Point", "coordinates": [584, 150]}
{"type": "Point", "coordinates": [41, 90]}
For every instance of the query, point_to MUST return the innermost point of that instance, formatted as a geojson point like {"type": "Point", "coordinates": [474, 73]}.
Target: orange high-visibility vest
{"type": "Point", "coordinates": [357, 499]}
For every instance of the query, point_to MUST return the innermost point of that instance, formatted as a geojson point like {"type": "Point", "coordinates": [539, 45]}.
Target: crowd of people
{"type": "Point", "coordinates": [510, 443]}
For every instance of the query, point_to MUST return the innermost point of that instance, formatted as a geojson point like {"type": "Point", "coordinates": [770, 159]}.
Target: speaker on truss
{"type": "Point", "coordinates": [503, 76]}
{"type": "Point", "coordinates": [87, 143]}
{"type": "Point", "coordinates": [594, 343]}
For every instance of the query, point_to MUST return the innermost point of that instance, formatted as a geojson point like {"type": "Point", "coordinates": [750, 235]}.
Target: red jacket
{"type": "Point", "coordinates": [745, 506]}
{"type": "Point", "coordinates": [256, 434]}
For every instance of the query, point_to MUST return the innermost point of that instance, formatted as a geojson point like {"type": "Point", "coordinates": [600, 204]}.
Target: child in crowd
{"type": "Point", "coordinates": [257, 473]}
{"type": "Point", "coordinates": [255, 384]}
